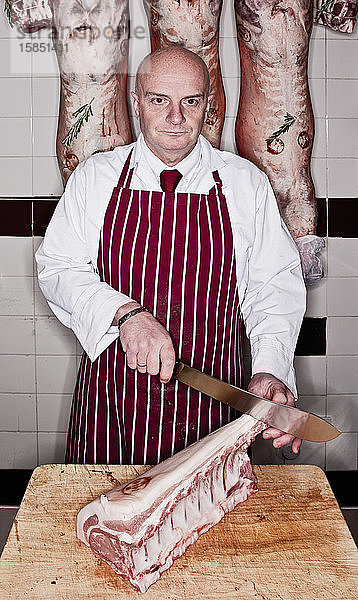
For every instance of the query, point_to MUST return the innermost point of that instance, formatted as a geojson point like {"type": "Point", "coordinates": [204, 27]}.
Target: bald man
{"type": "Point", "coordinates": [166, 248]}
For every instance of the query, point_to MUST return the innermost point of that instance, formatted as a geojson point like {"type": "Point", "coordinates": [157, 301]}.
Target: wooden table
{"type": "Point", "coordinates": [287, 542]}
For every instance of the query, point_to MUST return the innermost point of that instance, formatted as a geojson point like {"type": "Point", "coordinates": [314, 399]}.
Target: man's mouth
{"type": "Point", "coordinates": [174, 132]}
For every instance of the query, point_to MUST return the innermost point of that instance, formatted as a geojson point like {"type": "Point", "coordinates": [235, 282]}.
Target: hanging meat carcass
{"type": "Point", "coordinates": [193, 24]}
{"type": "Point", "coordinates": [91, 44]}
{"type": "Point", "coordinates": [275, 127]}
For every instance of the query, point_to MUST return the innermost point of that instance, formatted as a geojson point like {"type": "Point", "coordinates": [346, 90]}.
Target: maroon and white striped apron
{"type": "Point", "coordinates": [173, 253]}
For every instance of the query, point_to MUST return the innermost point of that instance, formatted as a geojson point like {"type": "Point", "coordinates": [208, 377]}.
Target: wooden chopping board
{"type": "Point", "coordinates": [287, 542]}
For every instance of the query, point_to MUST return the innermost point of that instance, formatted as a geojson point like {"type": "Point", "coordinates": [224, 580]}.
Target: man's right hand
{"type": "Point", "coordinates": [146, 343]}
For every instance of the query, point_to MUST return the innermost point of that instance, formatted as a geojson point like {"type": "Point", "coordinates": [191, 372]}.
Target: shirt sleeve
{"type": "Point", "coordinates": [68, 278]}
{"type": "Point", "coordinates": [275, 298]}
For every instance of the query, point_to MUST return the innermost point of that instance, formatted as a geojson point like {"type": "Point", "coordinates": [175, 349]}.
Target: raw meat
{"type": "Point", "coordinates": [193, 24]}
{"type": "Point", "coordinates": [91, 44]}
{"type": "Point", "coordinates": [339, 15]}
{"type": "Point", "coordinates": [140, 527]}
{"type": "Point", "coordinates": [92, 53]}
{"type": "Point", "coordinates": [31, 16]}
{"type": "Point", "coordinates": [274, 127]}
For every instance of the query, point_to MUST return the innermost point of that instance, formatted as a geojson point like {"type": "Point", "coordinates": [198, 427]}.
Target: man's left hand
{"type": "Point", "coordinates": [268, 386]}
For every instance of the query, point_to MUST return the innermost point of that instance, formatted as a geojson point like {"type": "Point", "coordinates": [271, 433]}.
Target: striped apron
{"type": "Point", "coordinates": [173, 253]}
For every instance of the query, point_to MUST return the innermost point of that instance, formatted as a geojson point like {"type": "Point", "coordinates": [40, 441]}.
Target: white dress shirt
{"type": "Point", "coordinates": [270, 285]}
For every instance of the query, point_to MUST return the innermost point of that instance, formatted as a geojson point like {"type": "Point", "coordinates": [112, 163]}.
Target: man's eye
{"type": "Point", "coordinates": [158, 100]}
{"type": "Point", "coordinates": [192, 101]}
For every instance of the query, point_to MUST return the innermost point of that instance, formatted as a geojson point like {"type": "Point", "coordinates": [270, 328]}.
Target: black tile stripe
{"type": "Point", "coordinates": [312, 337]}
{"type": "Point", "coordinates": [16, 218]}
{"type": "Point", "coordinates": [25, 216]}
{"type": "Point", "coordinates": [14, 483]}
{"type": "Point", "coordinates": [344, 485]}
{"type": "Point", "coordinates": [343, 217]}
{"type": "Point", "coordinates": [43, 211]}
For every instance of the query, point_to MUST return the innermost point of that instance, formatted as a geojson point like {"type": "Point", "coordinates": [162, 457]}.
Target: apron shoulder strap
{"type": "Point", "coordinates": [217, 178]}
{"type": "Point", "coordinates": [218, 182]}
{"type": "Point", "coordinates": [125, 175]}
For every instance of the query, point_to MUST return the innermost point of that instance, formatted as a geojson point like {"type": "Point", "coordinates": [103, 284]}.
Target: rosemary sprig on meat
{"type": "Point", "coordinates": [7, 10]}
{"type": "Point", "coordinates": [288, 122]}
{"type": "Point", "coordinates": [83, 113]}
{"type": "Point", "coordinates": [324, 8]}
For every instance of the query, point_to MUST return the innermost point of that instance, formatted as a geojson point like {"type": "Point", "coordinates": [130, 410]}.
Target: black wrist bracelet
{"type": "Point", "coordinates": [130, 314]}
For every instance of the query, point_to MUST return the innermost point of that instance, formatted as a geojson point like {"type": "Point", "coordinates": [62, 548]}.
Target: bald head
{"type": "Point", "coordinates": [174, 59]}
{"type": "Point", "coordinates": [171, 101]}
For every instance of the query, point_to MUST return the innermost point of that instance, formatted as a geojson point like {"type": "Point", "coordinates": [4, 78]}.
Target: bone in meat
{"type": "Point", "coordinates": [193, 24]}
{"type": "Point", "coordinates": [31, 15]}
{"type": "Point", "coordinates": [141, 527]}
{"type": "Point", "coordinates": [339, 15]}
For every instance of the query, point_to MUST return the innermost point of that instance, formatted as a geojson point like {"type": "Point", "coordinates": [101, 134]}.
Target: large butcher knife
{"type": "Point", "coordinates": [296, 422]}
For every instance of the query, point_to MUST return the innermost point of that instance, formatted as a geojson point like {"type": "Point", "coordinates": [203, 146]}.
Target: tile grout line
{"type": "Point", "coordinates": [327, 215]}
{"type": "Point", "coordinates": [35, 348]}
{"type": "Point", "coordinates": [33, 260]}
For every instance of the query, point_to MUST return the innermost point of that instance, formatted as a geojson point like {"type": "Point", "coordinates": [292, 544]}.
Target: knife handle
{"type": "Point", "coordinates": [177, 368]}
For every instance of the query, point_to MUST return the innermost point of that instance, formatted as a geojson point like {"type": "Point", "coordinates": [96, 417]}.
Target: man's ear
{"type": "Point", "coordinates": [135, 103]}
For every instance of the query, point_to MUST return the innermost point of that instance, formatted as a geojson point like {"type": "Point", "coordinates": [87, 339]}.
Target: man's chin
{"type": "Point", "coordinates": [173, 147]}
{"type": "Point", "coordinates": [172, 141]}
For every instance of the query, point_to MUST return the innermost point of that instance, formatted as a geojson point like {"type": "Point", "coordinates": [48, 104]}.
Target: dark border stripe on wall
{"type": "Point", "coordinates": [312, 338]}
{"type": "Point", "coordinates": [19, 216]}
{"type": "Point", "coordinates": [343, 217]}
{"type": "Point", "coordinates": [14, 483]}
{"type": "Point", "coordinates": [16, 218]}
{"type": "Point", "coordinates": [43, 211]}
{"type": "Point", "coordinates": [344, 486]}
{"type": "Point", "coordinates": [26, 216]}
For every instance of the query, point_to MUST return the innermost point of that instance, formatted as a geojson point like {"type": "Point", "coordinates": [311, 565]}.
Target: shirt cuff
{"type": "Point", "coordinates": [92, 323]}
{"type": "Point", "coordinates": [270, 356]}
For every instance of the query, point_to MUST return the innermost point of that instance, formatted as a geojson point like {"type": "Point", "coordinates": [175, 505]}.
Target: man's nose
{"type": "Point", "coordinates": [175, 114]}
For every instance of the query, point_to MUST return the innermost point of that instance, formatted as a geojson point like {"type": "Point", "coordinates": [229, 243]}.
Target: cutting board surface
{"type": "Point", "coordinates": [287, 542]}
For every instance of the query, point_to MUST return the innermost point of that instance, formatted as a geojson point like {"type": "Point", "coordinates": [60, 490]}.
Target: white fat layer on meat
{"type": "Point", "coordinates": [179, 470]}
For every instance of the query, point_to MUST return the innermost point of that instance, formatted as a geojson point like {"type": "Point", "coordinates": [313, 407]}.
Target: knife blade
{"type": "Point", "coordinates": [289, 419]}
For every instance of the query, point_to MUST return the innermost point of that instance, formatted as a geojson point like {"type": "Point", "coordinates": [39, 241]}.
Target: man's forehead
{"type": "Point", "coordinates": [167, 83]}
{"type": "Point", "coordinates": [169, 75]}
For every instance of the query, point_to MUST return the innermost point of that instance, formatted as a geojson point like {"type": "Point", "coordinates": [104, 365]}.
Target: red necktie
{"type": "Point", "coordinates": [169, 180]}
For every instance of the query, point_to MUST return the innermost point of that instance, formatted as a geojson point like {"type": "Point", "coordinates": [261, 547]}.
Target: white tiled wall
{"type": "Point", "coordinates": [39, 357]}
{"type": "Point", "coordinates": [38, 361]}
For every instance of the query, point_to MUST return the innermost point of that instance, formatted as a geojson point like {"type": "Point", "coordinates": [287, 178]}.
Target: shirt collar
{"type": "Point", "coordinates": [145, 158]}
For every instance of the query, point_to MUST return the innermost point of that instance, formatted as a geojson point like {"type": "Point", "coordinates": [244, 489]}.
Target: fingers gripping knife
{"type": "Point", "coordinates": [296, 422]}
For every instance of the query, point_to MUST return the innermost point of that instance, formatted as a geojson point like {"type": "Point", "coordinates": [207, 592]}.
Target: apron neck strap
{"type": "Point", "coordinates": [217, 188]}
{"type": "Point", "coordinates": [126, 174]}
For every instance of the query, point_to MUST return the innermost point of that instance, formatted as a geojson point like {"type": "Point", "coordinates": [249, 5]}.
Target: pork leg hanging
{"type": "Point", "coordinates": [193, 24]}
{"type": "Point", "coordinates": [274, 126]}
{"type": "Point", "coordinates": [92, 53]}
{"type": "Point", "coordinates": [91, 43]}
